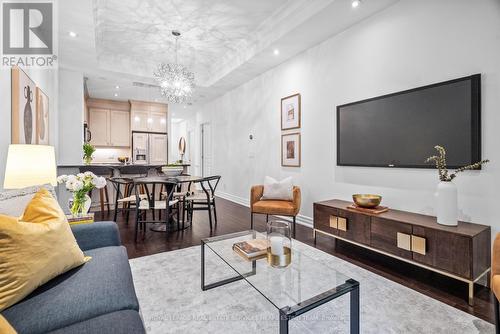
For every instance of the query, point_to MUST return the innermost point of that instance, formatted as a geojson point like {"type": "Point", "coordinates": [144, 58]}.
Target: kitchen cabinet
{"type": "Point", "coordinates": [119, 128]}
{"type": "Point", "coordinates": [99, 126]}
{"type": "Point", "coordinates": [109, 127]}
{"type": "Point", "coordinates": [148, 116]}
{"type": "Point", "coordinates": [139, 120]}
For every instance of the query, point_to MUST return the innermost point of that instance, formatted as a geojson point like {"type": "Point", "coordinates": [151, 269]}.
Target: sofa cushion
{"type": "Point", "coordinates": [101, 286]}
{"type": "Point", "coordinates": [121, 322]}
{"type": "Point", "coordinates": [13, 202]}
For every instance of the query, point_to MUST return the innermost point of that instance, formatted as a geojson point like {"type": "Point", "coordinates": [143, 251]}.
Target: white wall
{"type": "Point", "coordinates": [47, 81]}
{"type": "Point", "coordinates": [410, 44]}
{"type": "Point", "coordinates": [71, 106]}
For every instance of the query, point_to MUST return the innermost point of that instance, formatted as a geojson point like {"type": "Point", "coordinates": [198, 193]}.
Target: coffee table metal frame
{"type": "Point", "coordinates": [286, 313]}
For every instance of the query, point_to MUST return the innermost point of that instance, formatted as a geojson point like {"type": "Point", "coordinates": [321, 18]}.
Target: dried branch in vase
{"type": "Point", "coordinates": [440, 161]}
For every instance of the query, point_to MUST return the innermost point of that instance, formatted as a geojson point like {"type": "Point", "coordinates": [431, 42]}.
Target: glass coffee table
{"type": "Point", "coordinates": [302, 286]}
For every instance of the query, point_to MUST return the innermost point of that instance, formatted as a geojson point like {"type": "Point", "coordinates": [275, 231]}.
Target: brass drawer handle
{"type": "Point", "coordinates": [418, 244]}
{"type": "Point", "coordinates": [403, 241]}
{"type": "Point", "coordinates": [342, 224]}
{"type": "Point", "coordinates": [333, 221]}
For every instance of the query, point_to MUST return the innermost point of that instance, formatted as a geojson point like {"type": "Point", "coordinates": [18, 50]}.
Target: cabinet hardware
{"type": "Point", "coordinates": [333, 222]}
{"type": "Point", "coordinates": [418, 244]}
{"type": "Point", "coordinates": [403, 241]}
{"type": "Point", "coordinates": [342, 224]}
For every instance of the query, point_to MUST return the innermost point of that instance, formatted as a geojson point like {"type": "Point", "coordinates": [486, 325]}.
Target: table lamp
{"type": "Point", "coordinates": [30, 165]}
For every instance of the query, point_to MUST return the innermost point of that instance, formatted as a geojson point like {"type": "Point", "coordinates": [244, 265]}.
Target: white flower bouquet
{"type": "Point", "coordinates": [80, 185]}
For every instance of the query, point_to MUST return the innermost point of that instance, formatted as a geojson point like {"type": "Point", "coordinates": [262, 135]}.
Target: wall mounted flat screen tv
{"type": "Point", "coordinates": [401, 129]}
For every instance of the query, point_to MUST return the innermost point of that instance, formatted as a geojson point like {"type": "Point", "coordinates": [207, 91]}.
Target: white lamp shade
{"type": "Point", "coordinates": [30, 165]}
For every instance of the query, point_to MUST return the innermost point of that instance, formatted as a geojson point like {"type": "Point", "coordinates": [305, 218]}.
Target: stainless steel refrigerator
{"type": "Point", "coordinates": [149, 148]}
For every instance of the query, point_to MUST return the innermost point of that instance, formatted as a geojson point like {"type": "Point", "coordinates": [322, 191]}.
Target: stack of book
{"type": "Point", "coordinates": [82, 219]}
{"type": "Point", "coordinates": [251, 249]}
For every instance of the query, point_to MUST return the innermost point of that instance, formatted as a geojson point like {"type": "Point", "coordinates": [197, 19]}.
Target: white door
{"type": "Point", "coordinates": [206, 149]}
{"type": "Point", "coordinates": [99, 126]}
{"type": "Point", "coordinates": [139, 120]}
{"type": "Point", "coordinates": [158, 149]}
{"type": "Point", "coordinates": [158, 121]}
{"type": "Point", "coordinates": [119, 128]}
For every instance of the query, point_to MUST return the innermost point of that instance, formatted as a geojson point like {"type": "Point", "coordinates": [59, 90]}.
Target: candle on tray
{"type": "Point", "coordinates": [277, 245]}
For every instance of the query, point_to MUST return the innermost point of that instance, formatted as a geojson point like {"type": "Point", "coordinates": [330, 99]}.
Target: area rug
{"type": "Point", "coordinates": [171, 301]}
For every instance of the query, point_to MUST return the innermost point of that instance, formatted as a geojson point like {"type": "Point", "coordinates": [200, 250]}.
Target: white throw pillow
{"type": "Point", "coordinates": [281, 190]}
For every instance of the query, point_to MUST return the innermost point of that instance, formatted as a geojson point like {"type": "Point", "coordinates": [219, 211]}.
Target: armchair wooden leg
{"type": "Point", "coordinates": [497, 316]}
{"type": "Point", "coordinates": [251, 220]}
{"type": "Point", "coordinates": [267, 218]}
{"type": "Point", "coordinates": [294, 225]}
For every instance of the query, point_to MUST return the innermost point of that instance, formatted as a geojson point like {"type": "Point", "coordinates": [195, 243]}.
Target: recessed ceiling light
{"type": "Point", "coordinates": [276, 52]}
{"type": "Point", "coordinates": [117, 87]}
{"type": "Point", "coordinates": [355, 3]}
{"type": "Point", "coordinates": [116, 94]}
{"type": "Point", "coordinates": [72, 34]}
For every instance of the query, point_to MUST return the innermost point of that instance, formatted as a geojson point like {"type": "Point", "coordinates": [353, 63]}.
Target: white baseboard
{"type": "Point", "coordinates": [301, 219]}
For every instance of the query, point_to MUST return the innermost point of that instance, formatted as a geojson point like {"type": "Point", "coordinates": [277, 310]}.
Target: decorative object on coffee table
{"type": "Point", "coordinates": [81, 219]}
{"type": "Point", "coordinates": [446, 193]}
{"type": "Point", "coordinates": [88, 150]}
{"type": "Point", "coordinates": [290, 112]}
{"type": "Point", "coordinates": [279, 249]}
{"type": "Point", "coordinates": [80, 185]}
{"type": "Point", "coordinates": [367, 200]}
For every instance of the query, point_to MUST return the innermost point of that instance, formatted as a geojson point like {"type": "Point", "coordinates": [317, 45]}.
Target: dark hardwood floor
{"type": "Point", "coordinates": [233, 217]}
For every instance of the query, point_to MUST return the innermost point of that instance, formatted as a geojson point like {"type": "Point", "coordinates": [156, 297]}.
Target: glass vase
{"type": "Point", "coordinates": [279, 238]}
{"type": "Point", "coordinates": [79, 205]}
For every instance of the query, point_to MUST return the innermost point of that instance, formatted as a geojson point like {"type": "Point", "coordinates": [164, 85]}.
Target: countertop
{"type": "Point", "coordinates": [116, 165]}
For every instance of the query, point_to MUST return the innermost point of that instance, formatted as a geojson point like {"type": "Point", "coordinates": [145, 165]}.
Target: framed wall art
{"type": "Point", "coordinates": [290, 150]}
{"type": "Point", "coordinates": [42, 117]}
{"type": "Point", "coordinates": [23, 108]}
{"type": "Point", "coordinates": [290, 112]}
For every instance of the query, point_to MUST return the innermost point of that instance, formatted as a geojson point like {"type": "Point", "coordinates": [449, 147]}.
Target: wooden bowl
{"type": "Point", "coordinates": [367, 200]}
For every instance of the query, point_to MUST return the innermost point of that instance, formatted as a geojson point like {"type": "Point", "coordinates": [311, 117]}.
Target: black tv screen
{"type": "Point", "coordinates": [401, 129]}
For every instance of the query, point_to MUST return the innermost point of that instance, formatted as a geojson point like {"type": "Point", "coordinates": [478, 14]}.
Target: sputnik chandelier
{"type": "Point", "coordinates": [175, 80]}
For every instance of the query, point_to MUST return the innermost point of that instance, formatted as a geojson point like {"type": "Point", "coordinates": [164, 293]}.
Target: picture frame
{"type": "Point", "coordinates": [42, 117]}
{"type": "Point", "coordinates": [290, 150]}
{"type": "Point", "coordinates": [23, 123]}
{"type": "Point", "coordinates": [290, 112]}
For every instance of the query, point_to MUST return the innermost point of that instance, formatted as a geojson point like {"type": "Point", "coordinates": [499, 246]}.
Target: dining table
{"type": "Point", "coordinates": [183, 185]}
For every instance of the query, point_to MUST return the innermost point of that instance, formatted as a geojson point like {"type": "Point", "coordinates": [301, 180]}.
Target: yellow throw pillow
{"type": "Point", "coordinates": [35, 248]}
{"type": "Point", "coordinates": [5, 327]}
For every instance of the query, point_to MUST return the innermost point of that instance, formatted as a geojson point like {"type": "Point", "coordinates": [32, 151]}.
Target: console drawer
{"type": "Point", "coordinates": [354, 226]}
{"type": "Point", "coordinates": [325, 219]}
{"type": "Point", "coordinates": [384, 236]}
{"type": "Point", "coordinates": [447, 251]}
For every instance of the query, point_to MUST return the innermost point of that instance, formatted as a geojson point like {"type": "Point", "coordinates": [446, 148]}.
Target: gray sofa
{"type": "Point", "coordinates": [98, 297]}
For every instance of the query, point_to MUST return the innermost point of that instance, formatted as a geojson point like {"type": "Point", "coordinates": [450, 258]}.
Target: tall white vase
{"type": "Point", "coordinates": [447, 203]}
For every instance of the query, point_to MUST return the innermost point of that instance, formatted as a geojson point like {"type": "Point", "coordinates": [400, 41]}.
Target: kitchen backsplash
{"type": "Point", "coordinates": [106, 155]}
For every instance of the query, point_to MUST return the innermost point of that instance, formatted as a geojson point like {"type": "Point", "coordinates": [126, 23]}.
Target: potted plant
{"type": "Point", "coordinates": [446, 193]}
{"type": "Point", "coordinates": [88, 150]}
{"type": "Point", "coordinates": [80, 185]}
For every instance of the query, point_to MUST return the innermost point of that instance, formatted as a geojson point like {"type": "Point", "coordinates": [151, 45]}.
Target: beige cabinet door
{"type": "Point", "coordinates": [158, 121]}
{"type": "Point", "coordinates": [99, 126]}
{"type": "Point", "coordinates": [158, 149]}
{"type": "Point", "coordinates": [139, 120]}
{"type": "Point", "coordinates": [119, 128]}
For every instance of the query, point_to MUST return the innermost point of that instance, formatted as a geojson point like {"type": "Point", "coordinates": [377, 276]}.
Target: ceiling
{"type": "Point", "coordinates": [224, 42]}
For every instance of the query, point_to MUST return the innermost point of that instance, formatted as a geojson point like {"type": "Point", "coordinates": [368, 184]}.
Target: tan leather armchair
{"type": "Point", "coordinates": [495, 279]}
{"type": "Point", "coordinates": [274, 207]}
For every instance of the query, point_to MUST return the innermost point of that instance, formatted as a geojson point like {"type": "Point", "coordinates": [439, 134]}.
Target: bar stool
{"type": "Point", "coordinates": [107, 173]}
{"type": "Point", "coordinates": [124, 186]}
